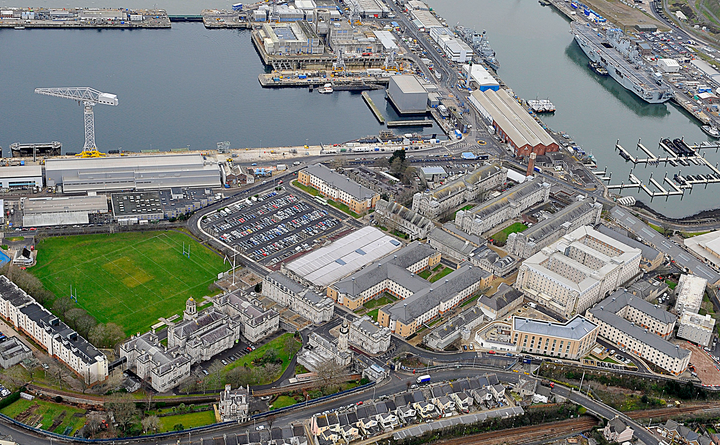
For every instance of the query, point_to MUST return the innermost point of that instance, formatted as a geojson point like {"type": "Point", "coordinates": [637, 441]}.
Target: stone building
{"type": "Point", "coordinates": [320, 350]}
{"type": "Point", "coordinates": [365, 335]}
{"type": "Point", "coordinates": [393, 215]}
{"type": "Point", "coordinates": [234, 404]}
{"type": "Point", "coordinates": [473, 186]}
{"type": "Point", "coordinates": [301, 300]}
{"type": "Point", "coordinates": [510, 204]}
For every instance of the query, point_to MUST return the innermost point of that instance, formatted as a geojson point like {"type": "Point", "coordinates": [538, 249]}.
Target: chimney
{"type": "Point", "coordinates": [531, 165]}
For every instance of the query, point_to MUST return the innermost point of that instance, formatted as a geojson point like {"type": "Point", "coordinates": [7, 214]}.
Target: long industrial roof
{"type": "Point", "coordinates": [344, 256]}
{"type": "Point", "coordinates": [408, 84]}
{"type": "Point", "coordinates": [574, 329]}
{"type": "Point", "coordinates": [91, 204]}
{"type": "Point", "coordinates": [166, 160]}
{"type": "Point", "coordinates": [20, 171]}
{"type": "Point", "coordinates": [512, 118]}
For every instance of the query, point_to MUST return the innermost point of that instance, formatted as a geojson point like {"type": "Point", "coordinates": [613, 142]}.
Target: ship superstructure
{"type": "Point", "coordinates": [616, 53]}
{"type": "Point", "coordinates": [480, 44]}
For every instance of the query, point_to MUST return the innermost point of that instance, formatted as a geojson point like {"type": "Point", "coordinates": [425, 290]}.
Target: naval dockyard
{"type": "Point", "coordinates": [432, 74]}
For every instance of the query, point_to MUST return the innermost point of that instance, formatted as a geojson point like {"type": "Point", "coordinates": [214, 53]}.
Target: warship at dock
{"type": "Point", "coordinates": [616, 53]}
{"type": "Point", "coordinates": [480, 44]}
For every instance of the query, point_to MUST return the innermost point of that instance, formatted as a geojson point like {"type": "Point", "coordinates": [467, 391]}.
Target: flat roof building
{"type": "Point", "coordinates": [512, 123]}
{"type": "Point", "coordinates": [572, 339]}
{"type": "Point", "coordinates": [407, 94]}
{"type": "Point", "coordinates": [21, 177]}
{"type": "Point", "coordinates": [137, 206]}
{"type": "Point", "coordinates": [480, 78]}
{"type": "Point", "coordinates": [65, 210]}
{"type": "Point", "coordinates": [577, 271]}
{"type": "Point", "coordinates": [343, 256]}
{"type": "Point", "coordinates": [696, 328]}
{"type": "Point", "coordinates": [131, 172]}
{"type": "Point", "coordinates": [339, 188]}
{"type": "Point", "coordinates": [706, 246]}
{"type": "Point", "coordinates": [690, 292]}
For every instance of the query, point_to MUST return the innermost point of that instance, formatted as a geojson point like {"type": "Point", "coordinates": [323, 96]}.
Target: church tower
{"type": "Point", "coordinates": [343, 338]}
{"type": "Point", "coordinates": [190, 309]}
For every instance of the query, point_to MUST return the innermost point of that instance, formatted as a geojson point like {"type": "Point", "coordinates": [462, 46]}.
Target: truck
{"type": "Point", "coordinates": [281, 167]}
{"type": "Point", "coordinates": [423, 379]}
{"type": "Point", "coordinates": [547, 383]}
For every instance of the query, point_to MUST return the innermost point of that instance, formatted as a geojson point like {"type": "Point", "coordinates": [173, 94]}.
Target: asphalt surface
{"type": "Point", "coordinates": [681, 256]}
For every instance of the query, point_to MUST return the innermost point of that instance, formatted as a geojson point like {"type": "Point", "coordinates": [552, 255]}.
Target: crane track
{"type": "Point", "coordinates": [526, 433]}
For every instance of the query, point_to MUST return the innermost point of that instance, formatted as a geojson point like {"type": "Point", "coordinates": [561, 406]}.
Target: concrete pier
{"type": "Point", "coordinates": [372, 106]}
{"type": "Point", "coordinates": [414, 123]}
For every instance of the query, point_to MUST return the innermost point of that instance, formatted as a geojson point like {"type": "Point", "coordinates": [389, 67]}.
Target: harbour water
{"type": "Point", "coordinates": [189, 86]}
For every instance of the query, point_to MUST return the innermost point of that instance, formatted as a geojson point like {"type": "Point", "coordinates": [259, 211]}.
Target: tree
{"type": "Point", "coordinates": [106, 335]}
{"type": "Point", "coordinates": [72, 315]}
{"type": "Point", "coordinates": [382, 163]}
{"type": "Point", "coordinates": [84, 324]}
{"type": "Point", "coordinates": [291, 346]}
{"type": "Point", "coordinates": [150, 424]}
{"type": "Point", "coordinates": [258, 288]}
{"type": "Point", "coordinates": [330, 375]}
{"type": "Point", "coordinates": [338, 162]}
{"type": "Point", "coordinates": [397, 154]}
{"type": "Point", "coordinates": [397, 166]}
{"type": "Point", "coordinates": [123, 407]}
{"type": "Point", "coordinates": [62, 305]}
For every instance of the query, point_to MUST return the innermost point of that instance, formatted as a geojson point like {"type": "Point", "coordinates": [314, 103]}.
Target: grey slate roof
{"type": "Point", "coordinates": [638, 333]}
{"type": "Point", "coordinates": [549, 226]}
{"type": "Point", "coordinates": [341, 182]}
{"type": "Point", "coordinates": [516, 193]}
{"type": "Point", "coordinates": [430, 296]}
{"type": "Point", "coordinates": [504, 296]}
{"type": "Point", "coordinates": [286, 281]}
{"type": "Point", "coordinates": [621, 298]}
{"type": "Point", "coordinates": [451, 241]}
{"type": "Point", "coordinates": [575, 329]}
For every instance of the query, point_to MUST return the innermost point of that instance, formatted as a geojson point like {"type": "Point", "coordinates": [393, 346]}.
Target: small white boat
{"type": "Point", "coordinates": [711, 131]}
{"type": "Point", "coordinates": [20, 27]}
{"type": "Point", "coordinates": [325, 89]}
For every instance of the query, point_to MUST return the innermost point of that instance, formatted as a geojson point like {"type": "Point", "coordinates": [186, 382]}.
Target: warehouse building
{"type": "Point", "coordinates": [343, 256]}
{"type": "Point", "coordinates": [407, 94]}
{"type": "Point", "coordinates": [510, 204]}
{"type": "Point", "coordinates": [455, 49]}
{"type": "Point", "coordinates": [640, 341]}
{"type": "Point", "coordinates": [424, 20]}
{"type": "Point", "coordinates": [339, 188]}
{"type": "Point", "coordinates": [690, 292]}
{"type": "Point", "coordinates": [393, 215]}
{"type": "Point", "coordinates": [131, 173]}
{"type": "Point", "coordinates": [480, 78]}
{"type": "Point", "coordinates": [67, 210]}
{"type": "Point", "coordinates": [651, 257]}
{"type": "Point", "coordinates": [21, 177]}
{"type": "Point", "coordinates": [130, 208]}
{"type": "Point", "coordinates": [572, 339]}
{"type": "Point", "coordinates": [369, 8]}
{"type": "Point", "coordinates": [290, 38]}
{"type": "Point", "coordinates": [577, 271]}
{"type": "Point", "coordinates": [577, 214]}
{"type": "Point", "coordinates": [469, 187]}
{"type": "Point", "coordinates": [512, 123]}
{"type": "Point", "coordinates": [696, 328]}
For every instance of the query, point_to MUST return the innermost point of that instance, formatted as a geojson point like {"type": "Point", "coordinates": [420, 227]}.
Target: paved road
{"type": "Point", "coordinates": [668, 247]}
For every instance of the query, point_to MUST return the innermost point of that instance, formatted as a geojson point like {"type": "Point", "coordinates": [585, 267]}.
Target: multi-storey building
{"type": "Point", "coordinates": [577, 214]}
{"type": "Point", "coordinates": [320, 351]}
{"type": "Point", "coordinates": [455, 328]}
{"type": "Point", "coordinates": [54, 336]}
{"type": "Point", "coordinates": [433, 300]}
{"type": "Point", "coordinates": [651, 257]}
{"type": "Point", "coordinates": [501, 302]}
{"type": "Point", "coordinates": [234, 404]}
{"type": "Point", "coordinates": [578, 270]}
{"type": "Point", "coordinates": [301, 300]}
{"type": "Point", "coordinates": [392, 214]}
{"type": "Point", "coordinates": [339, 188]}
{"type": "Point", "coordinates": [452, 246]}
{"type": "Point", "coordinates": [475, 185]}
{"type": "Point", "coordinates": [696, 328]}
{"type": "Point", "coordinates": [365, 335]}
{"type": "Point", "coordinates": [199, 337]}
{"type": "Point", "coordinates": [508, 205]}
{"type": "Point", "coordinates": [690, 292]}
{"type": "Point", "coordinates": [394, 274]}
{"type": "Point", "coordinates": [639, 341]}
{"type": "Point", "coordinates": [640, 312]}
{"type": "Point", "coordinates": [572, 339]}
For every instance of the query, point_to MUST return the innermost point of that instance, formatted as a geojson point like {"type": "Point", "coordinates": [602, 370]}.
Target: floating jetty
{"type": "Point", "coordinates": [19, 150]}
{"type": "Point", "coordinates": [541, 106]}
{"type": "Point", "coordinates": [373, 107]}
{"type": "Point", "coordinates": [679, 152]}
{"type": "Point", "coordinates": [411, 123]}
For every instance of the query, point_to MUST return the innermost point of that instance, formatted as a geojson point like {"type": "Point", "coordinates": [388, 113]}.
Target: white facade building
{"type": "Point", "coordinates": [696, 328]}
{"type": "Point", "coordinates": [51, 334]}
{"type": "Point", "coordinates": [234, 404]}
{"type": "Point", "coordinates": [369, 337]}
{"type": "Point", "coordinates": [577, 271]}
{"type": "Point", "coordinates": [301, 300]}
{"type": "Point", "coordinates": [690, 292]}
{"type": "Point", "coordinates": [21, 177]}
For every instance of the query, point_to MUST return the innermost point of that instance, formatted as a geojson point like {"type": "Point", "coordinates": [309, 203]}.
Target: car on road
{"type": "Point", "coordinates": [259, 427]}
{"type": "Point", "coordinates": [205, 371]}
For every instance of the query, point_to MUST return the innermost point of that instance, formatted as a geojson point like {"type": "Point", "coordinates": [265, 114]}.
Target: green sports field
{"type": "Point", "coordinates": [128, 278]}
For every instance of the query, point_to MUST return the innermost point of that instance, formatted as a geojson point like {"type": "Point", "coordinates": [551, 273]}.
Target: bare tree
{"type": "Point", "coordinates": [123, 408]}
{"type": "Point", "coordinates": [150, 424]}
{"type": "Point", "coordinates": [330, 375]}
{"type": "Point", "coordinates": [62, 305]}
{"type": "Point", "coordinates": [148, 401]}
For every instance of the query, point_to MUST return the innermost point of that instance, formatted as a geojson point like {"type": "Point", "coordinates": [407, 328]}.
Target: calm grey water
{"type": "Point", "coordinates": [189, 86]}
